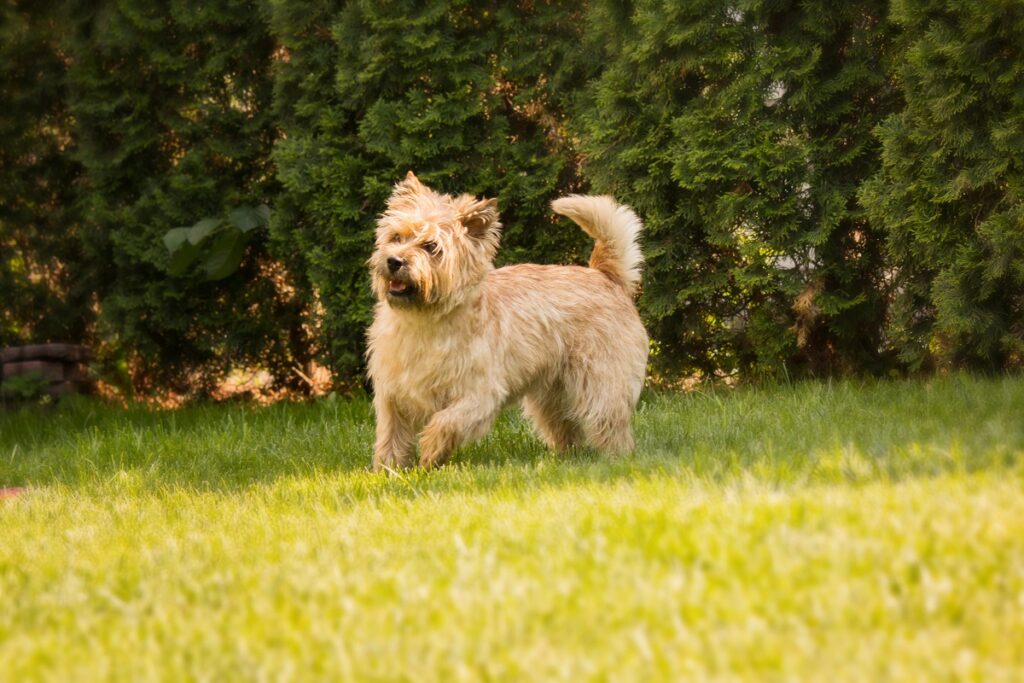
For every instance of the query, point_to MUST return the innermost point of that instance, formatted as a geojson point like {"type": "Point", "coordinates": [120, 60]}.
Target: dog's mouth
{"type": "Point", "coordinates": [400, 290]}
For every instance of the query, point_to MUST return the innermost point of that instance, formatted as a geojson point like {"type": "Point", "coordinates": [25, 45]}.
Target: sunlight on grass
{"type": "Point", "coordinates": [822, 531]}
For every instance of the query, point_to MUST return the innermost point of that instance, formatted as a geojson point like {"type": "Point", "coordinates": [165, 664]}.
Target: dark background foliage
{"type": "Point", "coordinates": [470, 95]}
{"type": "Point", "coordinates": [46, 281]}
{"type": "Point", "coordinates": [169, 111]}
{"type": "Point", "coordinates": [827, 188]}
{"type": "Point", "coordinates": [950, 189]}
{"type": "Point", "coordinates": [742, 131]}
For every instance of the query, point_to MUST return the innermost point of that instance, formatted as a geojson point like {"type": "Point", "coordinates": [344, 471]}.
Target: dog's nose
{"type": "Point", "coordinates": [394, 264]}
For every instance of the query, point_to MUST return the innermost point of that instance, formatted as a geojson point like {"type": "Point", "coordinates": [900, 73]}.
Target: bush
{"type": "Point", "coordinates": [464, 94]}
{"type": "Point", "coordinates": [173, 121]}
{"type": "Point", "coordinates": [742, 134]}
{"type": "Point", "coordinates": [825, 185]}
{"type": "Point", "coordinates": [46, 279]}
{"type": "Point", "coordinates": [950, 190]}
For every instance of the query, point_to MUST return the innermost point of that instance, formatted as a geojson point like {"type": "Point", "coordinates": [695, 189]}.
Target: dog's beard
{"type": "Point", "coordinates": [402, 292]}
{"type": "Point", "coordinates": [399, 290]}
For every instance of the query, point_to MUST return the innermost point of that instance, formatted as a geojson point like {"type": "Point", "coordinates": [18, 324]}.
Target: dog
{"type": "Point", "coordinates": [454, 340]}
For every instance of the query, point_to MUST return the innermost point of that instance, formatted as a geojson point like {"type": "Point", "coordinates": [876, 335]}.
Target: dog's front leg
{"type": "Point", "coordinates": [396, 435]}
{"type": "Point", "coordinates": [465, 420]}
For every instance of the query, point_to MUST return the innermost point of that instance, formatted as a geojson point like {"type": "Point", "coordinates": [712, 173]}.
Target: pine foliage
{"type": "Point", "coordinates": [172, 113]}
{"type": "Point", "coordinates": [46, 281]}
{"type": "Point", "coordinates": [741, 132]}
{"type": "Point", "coordinates": [469, 95]}
{"type": "Point", "coordinates": [950, 190]}
{"type": "Point", "coordinates": [827, 188]}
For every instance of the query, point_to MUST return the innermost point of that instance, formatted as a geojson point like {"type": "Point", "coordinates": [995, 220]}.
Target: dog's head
{"type": "Point", "coordinates": [432, 249]}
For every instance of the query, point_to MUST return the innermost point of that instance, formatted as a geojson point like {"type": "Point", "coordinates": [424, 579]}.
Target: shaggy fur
{"type": "Point", "coordinates": [454, 340]}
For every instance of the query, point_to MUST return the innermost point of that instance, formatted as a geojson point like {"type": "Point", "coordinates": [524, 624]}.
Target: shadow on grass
{"type": "Point", "coordinates": [780, 436]}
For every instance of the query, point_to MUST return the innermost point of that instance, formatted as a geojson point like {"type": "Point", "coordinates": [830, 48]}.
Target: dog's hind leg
{"type": "Point", "coordinates": [604, 420]}
{"type": "Point", "coordinates": [602, 404]}
{"type": "Point", "coordinates": [549, 411]}
{"type": "Point", "coordinates": [465, 420]}
{"type": "Point", "coordinates": [610, 433]}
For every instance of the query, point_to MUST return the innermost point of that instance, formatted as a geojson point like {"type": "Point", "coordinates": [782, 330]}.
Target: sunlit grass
{"type": "Point", "coordinates": [812, 532]}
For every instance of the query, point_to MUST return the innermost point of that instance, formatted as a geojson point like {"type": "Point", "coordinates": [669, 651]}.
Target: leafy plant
{"type": "Point", "coordinates": [452, 95]}
{"type": "Point", "coordinates": [741, 133]}
{"type": "Point", "coordinates": [217, 245]}
{"type": "Point", "coordinates": [950, 187]}
{"type": "Point", "coordinates": [25, 387]}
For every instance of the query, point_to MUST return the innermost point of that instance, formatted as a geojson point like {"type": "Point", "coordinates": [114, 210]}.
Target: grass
{"type": "Point", "coordinates": [844, 531]}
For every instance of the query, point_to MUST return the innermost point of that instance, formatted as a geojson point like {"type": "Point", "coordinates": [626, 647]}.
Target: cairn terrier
{"type": "Point", "coordinates": [454, 340]}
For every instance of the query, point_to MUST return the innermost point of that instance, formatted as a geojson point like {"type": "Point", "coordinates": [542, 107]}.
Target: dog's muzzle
{"type": "Point", "coordinates": [400, 289]}
{"type": "Point", "coordinates": [397, 288]}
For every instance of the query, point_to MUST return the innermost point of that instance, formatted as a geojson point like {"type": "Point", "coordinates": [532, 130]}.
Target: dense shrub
{"type": "Point", "coordinates": [173, 123]}
{"type": "Point", "coordinates": [741, 131]}
{"type": "Point", "coordinates": [469, 95]}
{"type": "Point", "coordinates": [46, 280]}
{"type": "Point", "coordinates": [950, 190]}
{"type": "Point", "coordinates": [828, 187]}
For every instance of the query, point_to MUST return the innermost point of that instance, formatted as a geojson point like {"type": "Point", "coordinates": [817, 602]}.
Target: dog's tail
{"type": "Point", "coordinates": [615, 228]}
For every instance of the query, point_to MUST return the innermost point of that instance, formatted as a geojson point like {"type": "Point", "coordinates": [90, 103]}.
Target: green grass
{"type": "Point", "coordinates": [842, 531]}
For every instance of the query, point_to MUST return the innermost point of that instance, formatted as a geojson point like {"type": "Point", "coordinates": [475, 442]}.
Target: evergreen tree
{"type": "Point", "coordinates": [741, 132]}
{"type": "Point", "coordinates": [172, 108]}
{"type": "Point", "coordinates": [469, 95]}
{"type": "Point", "coordinates": [46, 283]}
{"type": "Point", "coordinates": [782, 234]}
{"type": "Point", "coordinates": [951, 187]}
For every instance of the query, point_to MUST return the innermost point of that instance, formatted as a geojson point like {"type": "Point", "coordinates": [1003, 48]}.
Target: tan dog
{"type": "Point", "coordinates": [454, 340]}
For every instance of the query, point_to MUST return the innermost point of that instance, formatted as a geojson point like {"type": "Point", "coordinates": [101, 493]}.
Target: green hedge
{"type": "Point", "coordinates": [741, 132]}
{"type": "Point", "coordinates": [950, 190]}
{"type": "Point", "coordinates": [46, 279]}
{"type": "Point", "coordinates": [172, 109]}
{"type": "Point", "coordinates": [828, 188]}
{"type": "Point", "coordinates": [464, 93]}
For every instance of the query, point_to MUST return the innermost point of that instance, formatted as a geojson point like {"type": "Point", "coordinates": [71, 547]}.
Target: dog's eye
{"type": "Point", "coordinates": [396, 237]}
{"type": "Point", "coordinates": [429, 247]}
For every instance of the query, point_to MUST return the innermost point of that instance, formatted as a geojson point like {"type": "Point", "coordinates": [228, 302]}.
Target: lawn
{"type": "Point", "coordinates": [815, 532]}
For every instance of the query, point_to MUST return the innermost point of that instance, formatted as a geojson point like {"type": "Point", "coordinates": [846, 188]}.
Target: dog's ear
{"type": "Point", "coordinates": [480, 217]}
{"type": "Point", "coordinates": [406, 188]}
